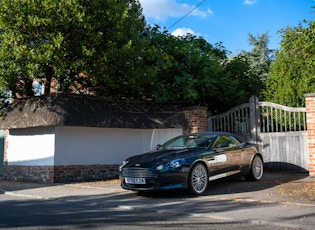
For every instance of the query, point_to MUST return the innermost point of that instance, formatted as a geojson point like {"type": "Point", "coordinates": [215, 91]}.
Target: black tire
{"type": "Point", "coordinates": [198, 179]}
{"type": "Point", "coordinates": [256, 169]}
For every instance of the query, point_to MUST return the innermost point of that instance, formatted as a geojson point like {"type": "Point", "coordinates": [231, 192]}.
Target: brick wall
{"type": "Point", "coordinates": [196, 117]}
{"type": "Point", "coordinates": [310, 118]}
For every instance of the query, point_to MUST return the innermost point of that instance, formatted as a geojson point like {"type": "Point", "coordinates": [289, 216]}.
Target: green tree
{"type": "Point", "coordinates": [248, 71]}
{"type": "Point", "coordinates": [260, 56]}
{"type": "Point", "coordinates": [185, 68]}
{"type": "Point", "coordinates": [237, 70]}
{"type": "Point", "coordinates": [258, 61]}
{"type": "Point", "coordinates": [191, 70]}
{"type": "Point", "coordinates": [4, 99]}
{"type": "Point", "coordinates": [64, 38]}
{"type": "Point", "coordinates": [293, 72]}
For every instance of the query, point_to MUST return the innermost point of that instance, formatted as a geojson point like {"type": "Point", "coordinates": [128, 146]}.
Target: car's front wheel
{"type": "Point", "coordinates": [256, 169]}
{"type": "Point", "coordinates": [198, 179]}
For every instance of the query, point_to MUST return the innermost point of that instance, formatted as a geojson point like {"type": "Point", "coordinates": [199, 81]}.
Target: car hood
{"type": "Point", "coordinates": [160, 157]}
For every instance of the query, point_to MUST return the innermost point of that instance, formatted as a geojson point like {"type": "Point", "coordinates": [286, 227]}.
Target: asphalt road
{"type": "Point", "coordinates": [69, 213]}
{"type": "Point", "coordinates": [236, 204]}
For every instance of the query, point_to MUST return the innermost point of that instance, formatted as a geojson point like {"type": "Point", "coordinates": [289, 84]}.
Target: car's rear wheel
{"type": "Point", "coordinates": [198, 179]}
{"type": "Point", "coordinates": [256, 169]}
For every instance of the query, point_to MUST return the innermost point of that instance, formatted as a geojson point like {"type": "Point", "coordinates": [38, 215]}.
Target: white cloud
{"type": "Point", "coordinates": [183, 31]}
{"type": "Point", "coordinates": [249, 2]}
{"type": "Point", "coordinates": [160, 10]}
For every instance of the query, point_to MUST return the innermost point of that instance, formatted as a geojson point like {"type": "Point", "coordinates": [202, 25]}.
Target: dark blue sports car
{"type": "Point", "coordinates": [190, 161]}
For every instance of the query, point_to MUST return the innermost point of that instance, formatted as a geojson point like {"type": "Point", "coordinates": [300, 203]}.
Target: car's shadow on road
{"type": "Point", "coordinates": [232, 185]}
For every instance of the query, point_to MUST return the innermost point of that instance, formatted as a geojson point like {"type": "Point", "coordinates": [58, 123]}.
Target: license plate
{"type": "Point", "coordinates": [130, 180]}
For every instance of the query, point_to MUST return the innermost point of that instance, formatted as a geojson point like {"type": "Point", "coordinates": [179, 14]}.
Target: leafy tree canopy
{"type": "Point", "coordinates": [249, 70]}
{"type": "Point", "coordinates": [63, 38]}
{"type": "Point", "coordinates": [189, 69]}
{"type": "Point", "coordinates": [293, 72]}
{"type": "Point", "coordinates": [184, 68]}
{"type": "Point", "coordinates": [105, 48]}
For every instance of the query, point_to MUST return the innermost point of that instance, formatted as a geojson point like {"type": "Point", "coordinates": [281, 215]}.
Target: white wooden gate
{"type": "Point", "coordinates": [279, 130]}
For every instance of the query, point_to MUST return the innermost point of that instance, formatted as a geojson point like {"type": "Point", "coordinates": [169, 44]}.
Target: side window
{"type": "Point", "coordinates": [222, 142]}
{"type": "Point", "coordinates": [226, 141]}
{"type": "Point", "coordinates": [179, 143]}
{"type": "Point", "coordinates": [234, 141]}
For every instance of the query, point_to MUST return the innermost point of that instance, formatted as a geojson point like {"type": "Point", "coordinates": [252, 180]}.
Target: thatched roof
{"type": "Point", "coordinates": [78, 110]}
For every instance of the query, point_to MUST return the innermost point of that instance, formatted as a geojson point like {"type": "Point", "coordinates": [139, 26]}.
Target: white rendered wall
{"type": "Point", "coordinates": [88, 146]}
{"type": "Point", "coordinates": [31, 147]}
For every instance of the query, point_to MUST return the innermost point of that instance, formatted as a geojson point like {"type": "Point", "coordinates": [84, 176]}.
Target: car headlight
{"type": "Point", "coordinates": [171, 165]}
{"type": "Point", "coordinates": [123, 165]}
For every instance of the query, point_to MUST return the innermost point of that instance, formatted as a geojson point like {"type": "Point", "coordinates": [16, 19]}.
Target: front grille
{"type": "Point", "coordinates": [137, 172]}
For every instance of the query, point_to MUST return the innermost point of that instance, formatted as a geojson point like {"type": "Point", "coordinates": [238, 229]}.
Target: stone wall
{"type": "Point", "coordinates": [85, 172]}
{"type": "Point", "coordinates": [55, 174]}
{"type": "Point", "coordinates": [29, 173]}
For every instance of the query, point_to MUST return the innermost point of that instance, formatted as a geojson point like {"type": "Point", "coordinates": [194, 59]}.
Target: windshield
{"type": "Point", "coordinates": [191, 141]}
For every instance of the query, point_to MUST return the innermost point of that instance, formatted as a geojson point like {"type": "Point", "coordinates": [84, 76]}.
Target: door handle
{"type": "Point", "coordinates": [211, 158]}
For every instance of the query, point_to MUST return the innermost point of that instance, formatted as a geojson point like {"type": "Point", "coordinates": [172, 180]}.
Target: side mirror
{"type": "Point", "coordinates": [158, 146]}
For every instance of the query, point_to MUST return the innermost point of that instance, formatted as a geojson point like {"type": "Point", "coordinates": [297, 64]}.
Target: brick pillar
{"type": "Point", "coordinates": [310, 120]}
{"type": "Point", "coordinates": [196, 117]}
{"type": "Point", "coordinates": [6, 145]}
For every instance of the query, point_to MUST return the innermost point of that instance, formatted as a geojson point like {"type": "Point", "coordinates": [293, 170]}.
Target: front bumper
{"type": "Point", "coordinates": [176, 179]}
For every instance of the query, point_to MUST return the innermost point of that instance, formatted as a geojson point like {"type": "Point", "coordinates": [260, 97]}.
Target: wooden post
{"type": "Point", "coordinates": [310, 121]}
{"type": "Point", "coordinates": [254, 114]}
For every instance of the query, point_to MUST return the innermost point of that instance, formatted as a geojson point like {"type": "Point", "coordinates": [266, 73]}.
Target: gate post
{"type": "Point", "coordinates": [196, 117]}
{"type": "Point", "coordinates": [254, 116]}
{"type": "Point", "coordinates": [310, 123]}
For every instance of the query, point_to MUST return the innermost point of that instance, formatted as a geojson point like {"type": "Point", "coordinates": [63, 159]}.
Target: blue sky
{"type": "Point", "coordinates": [228, 21]}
